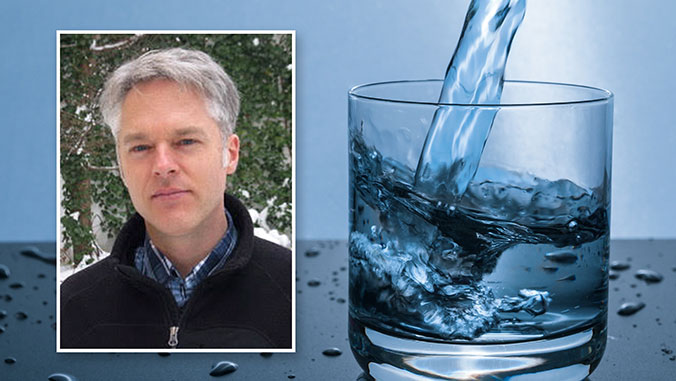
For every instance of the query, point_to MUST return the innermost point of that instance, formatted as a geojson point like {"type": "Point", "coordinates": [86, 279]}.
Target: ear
{"type": "Point", "coordinates": [231, 153]}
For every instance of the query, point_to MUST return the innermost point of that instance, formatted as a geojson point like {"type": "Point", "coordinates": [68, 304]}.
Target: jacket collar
{"type": "Point", "coordinates": [133, 233]}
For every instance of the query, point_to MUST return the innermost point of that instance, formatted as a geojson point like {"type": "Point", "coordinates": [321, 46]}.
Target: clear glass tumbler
{"type": "Point", "coordinates": [506, 280]}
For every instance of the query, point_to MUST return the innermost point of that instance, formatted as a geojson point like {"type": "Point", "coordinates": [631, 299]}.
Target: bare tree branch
{"type": "Point", "coordinates": [116, 45]}
{"type": "Point", "coordinates": [98, 168]}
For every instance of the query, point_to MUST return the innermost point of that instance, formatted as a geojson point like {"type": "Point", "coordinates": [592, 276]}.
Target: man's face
{"type": "Point", "coordinates": [171, 158]}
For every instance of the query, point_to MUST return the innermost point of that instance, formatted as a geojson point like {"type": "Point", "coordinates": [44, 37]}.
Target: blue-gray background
{"type": "Point", "coordinates": [625, 46]}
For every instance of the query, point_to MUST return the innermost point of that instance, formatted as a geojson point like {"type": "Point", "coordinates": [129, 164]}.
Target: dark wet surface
{"type": "Point", "coordinates": [638, 345]}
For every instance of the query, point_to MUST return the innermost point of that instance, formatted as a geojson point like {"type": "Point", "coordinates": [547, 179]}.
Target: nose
{"type": "Point", "coordinates": [164, 162]}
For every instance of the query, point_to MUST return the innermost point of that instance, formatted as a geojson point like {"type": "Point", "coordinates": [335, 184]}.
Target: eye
{"type": "Point", "coordinates": [139, 148]}
{"type": "Point", "coordinates": [187, 142]}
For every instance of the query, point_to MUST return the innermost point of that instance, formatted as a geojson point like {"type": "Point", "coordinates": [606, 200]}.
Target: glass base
{"type": "Point", "coordinates": [386, 357]}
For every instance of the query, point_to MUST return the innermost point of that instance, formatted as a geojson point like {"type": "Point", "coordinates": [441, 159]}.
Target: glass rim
{"type": "Point", "coordinates": [604, 95]}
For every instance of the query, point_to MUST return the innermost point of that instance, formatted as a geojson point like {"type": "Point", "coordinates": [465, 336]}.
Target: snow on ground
{"type": "Point", "coordinates": [261, 230]}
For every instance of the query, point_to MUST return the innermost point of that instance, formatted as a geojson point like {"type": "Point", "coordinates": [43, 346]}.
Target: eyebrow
{"type": "Point", "coordinates": [133, 137]}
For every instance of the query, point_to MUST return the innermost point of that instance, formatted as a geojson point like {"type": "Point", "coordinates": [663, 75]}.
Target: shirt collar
{"type": "Point", "coordinates": [156, 265]}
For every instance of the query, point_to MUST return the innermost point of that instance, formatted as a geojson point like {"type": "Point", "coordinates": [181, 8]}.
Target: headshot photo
{"type": "Point", "coordinates": [176, 211]}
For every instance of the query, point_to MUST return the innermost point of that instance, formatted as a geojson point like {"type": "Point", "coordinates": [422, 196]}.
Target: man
{"type": "Point", "coordinates": [186, 270]}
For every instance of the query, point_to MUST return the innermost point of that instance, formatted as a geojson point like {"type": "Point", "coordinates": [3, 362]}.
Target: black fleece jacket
{"type": "Point", "coordinates": [245, 304]}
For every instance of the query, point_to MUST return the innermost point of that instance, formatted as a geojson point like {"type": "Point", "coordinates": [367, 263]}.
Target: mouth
{"type": "Point", "coordinates": [169, 194]}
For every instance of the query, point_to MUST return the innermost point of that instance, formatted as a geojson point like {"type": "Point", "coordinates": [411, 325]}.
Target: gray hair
{"type": "Point", "coordinates": [186, 67]}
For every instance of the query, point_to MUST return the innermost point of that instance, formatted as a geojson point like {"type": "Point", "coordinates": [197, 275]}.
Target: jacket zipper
{"type": "Point", "coordinates": [173, 337]}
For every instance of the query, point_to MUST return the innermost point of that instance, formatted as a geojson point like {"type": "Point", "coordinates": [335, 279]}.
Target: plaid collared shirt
{"type": "Point", "coordinates": [155, 265]}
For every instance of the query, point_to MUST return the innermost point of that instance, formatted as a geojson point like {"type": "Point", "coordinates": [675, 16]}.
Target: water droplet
{"type": "Point", "coordinates": [2, 330]}
{"type": "Point", "coordinates": [60, 377]}
{"type": "Point", "coordinates": [613, 274]}
{"type": "Point", "coordinates": [222, 368]}
{"type": "Point", "coordinates": [648, 276]}
{"type": "Point", "coordinates": [10, 360]}
{"type": "Point", "coordinates": [164, 354]}
{"type": "Point", "coordinates": [8, 297]}
{"type": "Point", "coordinates": [266, 354]}
{"type": "Point", "coordinates": [4, 271]}
{"type": "Point", "coordinates": [564, 256]}
{"type": "Point", "coordinates": [16, 285]}
{"type": "Point", "coordinates": [630, 308]}
{"type": "Point", "coordinates": [3, 313]}
{"type": "Point", "coordinates": [21, 315]}
{"type": "Point", "coordinates": [34, 252]}
{"type": "Point", "coordinates": [550, 269]}
{"type": "Point", "coordinates": [340, 300]}
{"type": "Point", "coordinates": [619, 265]}
{"type": "Point", "coordinates": [314, 283]}
{"type": "Point", "coordinates": [332, 352]}
{"type": "Point", "coordinates": [343, 268]}
{"type": "Point", "coordinates": [41, 275]}
{"type": "Point", "coordinates": [44, 302]}
{"type": "Point", "coordinates": [569, 277]}
{"type": "Point", "coordinates": [312, 253]}
{"type": "Point", "coordinates": [291, 376]}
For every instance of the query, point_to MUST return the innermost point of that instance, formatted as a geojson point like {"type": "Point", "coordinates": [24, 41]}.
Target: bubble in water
{"type": "Point", "coordinates": [550, 269]}
{"type": "Point", "coordinates": [21, 315]}
{"type": "Point", "coordinates": [8, 297]}
{"type": "Point", "coordinates": [568, 278]}
{"type": "Point", "coordinates": [630, 308]}
{"type": "Point", "coordinates": [10, 360]}
{"type": "Point", "coordinates": [649, 276]}
{"type": "Point", "coordinates": [563, 256]}
{"type": "Point", "coordinates": [222, 368]}
{"type": "Point", "coordinates": [619, 265]}
{"type": "Point", "coordinates": [3, 313]}
{"type": "Point", "coordinates": [332, 352]}
{"type": "Point", "coordinates": [60, 377]}
{"type": "Point", "coordinates": [572, 225]}
{"type": "Point", "coordinates": [312, 252]}
{"type": "Point", "coordinates": [340, 300]}
{"type": "Point", "coordinates": [613, 274]}
{"type": "Point", "coordinates": [41, 275]}
{"type": "Point", "coordinates": [532, 301]}
{"type": "Point", "coordinates": [16, 285]}
{"type": "Point", "coordinates": [2, 330]}
{"type": "Point", "coordinates": [291, 376]}
{"type": "Point", "coordinates": [314, 283]}
{"type": "Point", "coordinates": [4, 271]}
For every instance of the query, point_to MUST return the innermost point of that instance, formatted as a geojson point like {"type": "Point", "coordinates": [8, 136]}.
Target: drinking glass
{"type": "Point", "coordinates": [508, 279]}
